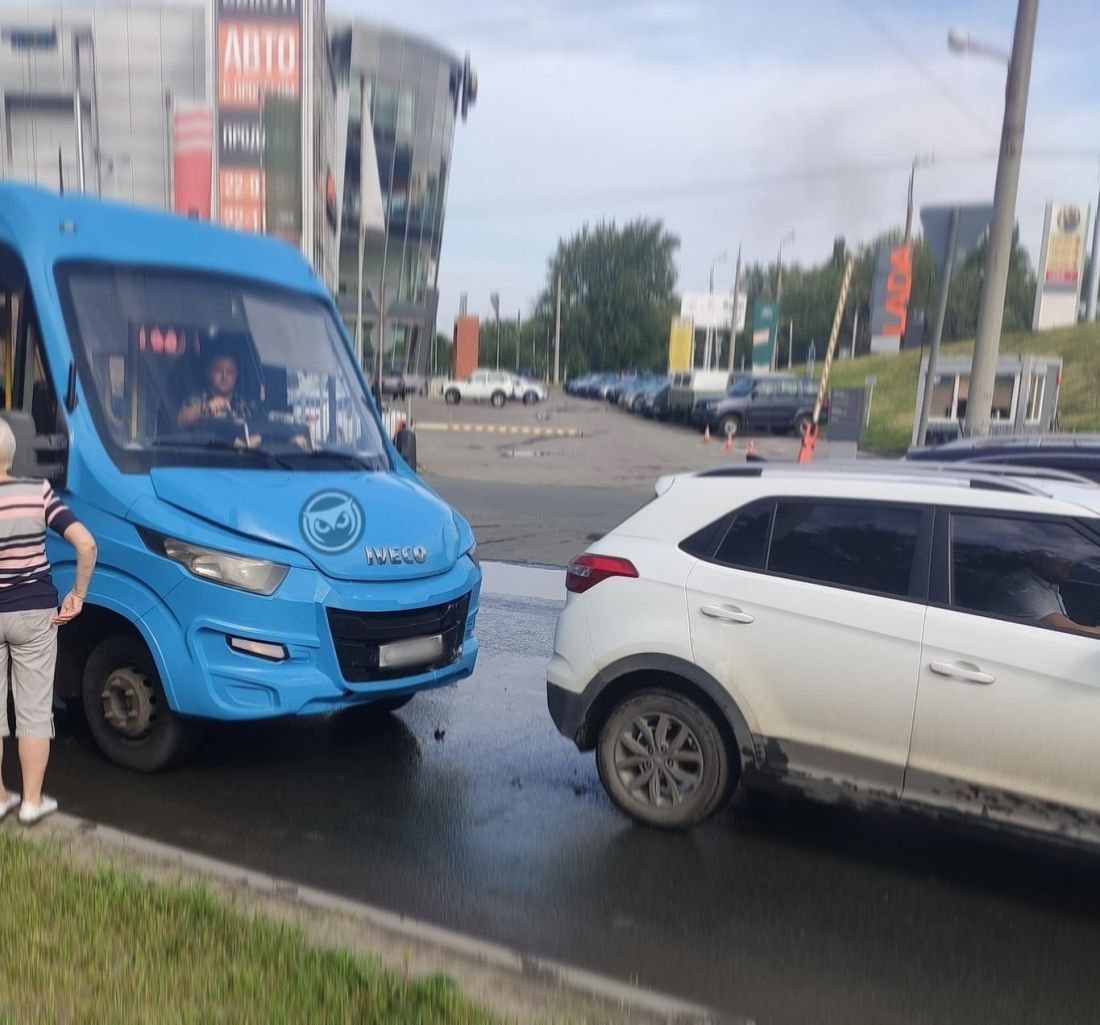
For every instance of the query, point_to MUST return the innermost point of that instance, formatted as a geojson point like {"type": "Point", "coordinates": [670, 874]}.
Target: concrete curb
{"type": "Point", "coordinates": [545, 432]}
{"type": "Point", "coordinates": [535, 985]}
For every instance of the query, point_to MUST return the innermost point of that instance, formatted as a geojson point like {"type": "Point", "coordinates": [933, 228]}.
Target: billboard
{"type": "Point", "coordinates": [714, 310]}
{"type": "Point", "coordinates": [681, 344]}
{"type": "Point", "coordinates": [258, 63]}
{"type": "Point", "coordinates": [890, 293]}
{"type": "Point", "coordinates": [765, 321]}
{"type": "Point", "coordinates": [1058, 295]}
{"type": "Point", "coordinates": [192, 159]}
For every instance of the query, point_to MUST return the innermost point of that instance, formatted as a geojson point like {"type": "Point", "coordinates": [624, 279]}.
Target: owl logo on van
{"type": "Point", "coordinates": [332, 521]}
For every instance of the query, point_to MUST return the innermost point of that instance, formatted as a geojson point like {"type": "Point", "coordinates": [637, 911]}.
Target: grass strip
{"type": "Point", "coordinates": [107, 946]}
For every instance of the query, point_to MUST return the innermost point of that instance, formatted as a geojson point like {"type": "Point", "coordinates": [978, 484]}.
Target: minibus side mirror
{"type": "Point", "coordinates": [37, 455]}
{"type": "Point", "coordinates": [406, 446]}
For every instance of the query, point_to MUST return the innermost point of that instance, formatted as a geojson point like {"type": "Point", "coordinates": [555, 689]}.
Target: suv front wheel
{"type": "Point", "coordinates": [663, 761]}
{"type": "Point", "coordinates": [730, 425]}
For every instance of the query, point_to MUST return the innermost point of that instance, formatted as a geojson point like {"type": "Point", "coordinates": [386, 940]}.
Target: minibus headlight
{"type": "Point", "coordinates": [256, 575]}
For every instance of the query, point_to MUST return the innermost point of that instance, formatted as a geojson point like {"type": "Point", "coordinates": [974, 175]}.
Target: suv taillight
{"type": "Point", "coordinates": [586, 571]}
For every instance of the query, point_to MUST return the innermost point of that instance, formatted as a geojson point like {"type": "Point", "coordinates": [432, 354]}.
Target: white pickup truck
{"type": "Point", "coordinates": [495, 386]}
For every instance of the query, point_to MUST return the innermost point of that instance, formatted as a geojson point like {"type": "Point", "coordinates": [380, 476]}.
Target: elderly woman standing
{"type": "Point", "coordinates": [29, 618]}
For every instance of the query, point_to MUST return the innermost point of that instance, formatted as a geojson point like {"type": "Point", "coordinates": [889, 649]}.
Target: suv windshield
{"type": "Point", "coordinates": [201, 369]}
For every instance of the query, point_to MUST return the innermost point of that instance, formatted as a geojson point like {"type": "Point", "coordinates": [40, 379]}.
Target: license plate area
{"type": "Point", "coordinates": [436, 633]}
{"type": "Point", "coordinates": [413, 651]}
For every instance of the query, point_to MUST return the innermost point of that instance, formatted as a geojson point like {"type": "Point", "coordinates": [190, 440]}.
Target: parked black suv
{"type": "Point", "coordinates": [760, 402]}
{"type": "Point", "coordinates": [1073, 453]}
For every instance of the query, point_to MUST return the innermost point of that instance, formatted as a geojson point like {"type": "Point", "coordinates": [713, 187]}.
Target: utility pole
{"type": "Point", "coordinates": [937, 330]}
{"type": "Point", "coordinates": [855, 329]}
{"type": "Point", "coordinates": [518, 314]}
{"type": "Point", "coordinates": [779, 296]}
{"type": "Point", "coordinates": [736, 303]}
{"type": "Point", "coordinates": [494, 299]}
{"type": "Point", "coordinates": [918, 161]}
{"type": "Point", "coordinates": [983, 370]}
{"type": "Point", "coordinates": [557, 335]}
{"type": "Point", "coordinates": [78, 112]}
{"type": "Point", "coordinates": [360, 348]}
{"type": "Point", "coordinates": [1094, 268]}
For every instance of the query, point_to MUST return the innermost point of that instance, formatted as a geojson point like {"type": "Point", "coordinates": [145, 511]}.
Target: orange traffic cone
{"type": "Point", "coordinates": [752, 448]}
{"type": "Point", "coordinates": [706, 435]}
{"type": "Point", "coordinates": [728, 446]}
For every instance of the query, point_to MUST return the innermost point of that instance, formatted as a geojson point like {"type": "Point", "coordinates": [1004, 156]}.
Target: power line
{"type": "Point", "coordinates": [900, 47]}
{"type": "Point", "coordinates": [534, 205]}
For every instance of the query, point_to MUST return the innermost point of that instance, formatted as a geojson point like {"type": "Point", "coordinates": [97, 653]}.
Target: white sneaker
{"type": "Point", "coordinates": [10, 803]}
{"type": "Point", "coordinates": [29, 813]}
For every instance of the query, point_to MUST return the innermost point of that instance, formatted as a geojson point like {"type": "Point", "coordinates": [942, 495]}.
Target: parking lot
{"type": "Point", "coordinates": [613, 448]}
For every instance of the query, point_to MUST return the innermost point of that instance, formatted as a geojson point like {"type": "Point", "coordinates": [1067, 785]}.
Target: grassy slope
{"type": "Point", "coordinates": [108, 947]}
{"type": "Point", "coordinates": [896, 388]}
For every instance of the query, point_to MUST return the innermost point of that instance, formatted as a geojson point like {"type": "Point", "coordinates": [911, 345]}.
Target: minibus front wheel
{"type": "Point", "coordinates": [127, 712]}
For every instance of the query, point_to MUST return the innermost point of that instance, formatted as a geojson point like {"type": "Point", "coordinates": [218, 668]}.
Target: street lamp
{"type": "Point", "coordinates": [719, 259]}
{"type": "Point", "coordinates": [987, 340]}
{"type": "Point", "coordinates": [708, 344]}
{"type": "Point", "coordinates": [961, 42]}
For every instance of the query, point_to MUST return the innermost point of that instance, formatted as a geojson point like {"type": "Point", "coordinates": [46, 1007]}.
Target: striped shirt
{"type": "Point", "coordinates": [27, 508]}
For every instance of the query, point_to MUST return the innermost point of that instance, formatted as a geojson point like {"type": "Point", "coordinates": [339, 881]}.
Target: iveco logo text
{"type": "Point", "coordinates": [396, 555]}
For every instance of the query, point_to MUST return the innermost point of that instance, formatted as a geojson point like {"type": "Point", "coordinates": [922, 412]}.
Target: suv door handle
{"type": "Point", "coordinates": [961, 671]}
{"type": "Point", "coordinates": [727, 614]}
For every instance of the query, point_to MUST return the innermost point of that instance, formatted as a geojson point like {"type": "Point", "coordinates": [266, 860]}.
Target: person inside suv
{"type": "Point", "coordinates": [1034, 593]}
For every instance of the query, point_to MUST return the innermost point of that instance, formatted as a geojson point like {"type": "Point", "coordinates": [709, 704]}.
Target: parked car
{"type": "Point", "coordinates": [880, 633]}
{"type": "Point", "coordinates": [655, 404]}
{"type": "Point", "coordinates": [495, 386]}
{"type": "Point", "coordinates": [1072, 453]}
{"type": "Point", "coordinates": [755, 402]}
{"type": "Point", "coordinates": [633, 398]}
{"type": "Point", "coordinates": [692, 387]}
{"type": "Point", "coordinates": [393, 383]}
{"type": "Point", "coordinates": [577, 385]}
{"type": "Point", "coordinates": [527, 391]}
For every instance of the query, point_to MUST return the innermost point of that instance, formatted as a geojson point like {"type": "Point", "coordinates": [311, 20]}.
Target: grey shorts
{"type": "Point", "coordinates": [28, 643]}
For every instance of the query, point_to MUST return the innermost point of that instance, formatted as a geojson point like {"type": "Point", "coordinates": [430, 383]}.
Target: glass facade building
{"type": "Point", "coordinates": [133, 62]}
{"type": "Point", "coordinates": [411, 93]}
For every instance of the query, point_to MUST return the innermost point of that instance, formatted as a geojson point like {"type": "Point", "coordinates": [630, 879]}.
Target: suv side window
{"type": "Point", "coordinates": [1028, 570]}
{"type": "Point", "coordinates": [763, 389]}
{"type": "Point", "coordinates": [789, 389]}
{"type": "Point", "coordinates": [745, 545]}
{"type": "Point", "coordinates": [868, 546]}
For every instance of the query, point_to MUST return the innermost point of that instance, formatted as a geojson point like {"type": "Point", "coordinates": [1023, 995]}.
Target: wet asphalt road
{"type": "Point", "coordinates": [467, 809]}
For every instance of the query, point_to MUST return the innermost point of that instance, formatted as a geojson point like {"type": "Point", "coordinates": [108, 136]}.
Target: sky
{"type": "Point", "coordinates": [736, 122]}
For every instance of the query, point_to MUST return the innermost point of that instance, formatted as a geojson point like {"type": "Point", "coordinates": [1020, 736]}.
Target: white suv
{"type": "Point", "coordinates": [892, 633]}
{"type": "Point", "coordinates": [493, 386]}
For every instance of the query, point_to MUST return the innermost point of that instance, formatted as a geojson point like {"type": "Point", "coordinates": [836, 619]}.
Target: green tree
{"type": "Point", "coordinates": [618, 296]}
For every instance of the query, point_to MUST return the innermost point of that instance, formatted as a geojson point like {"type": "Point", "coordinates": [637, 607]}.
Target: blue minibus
{"type": "Point", "coordinates": [264, 549]}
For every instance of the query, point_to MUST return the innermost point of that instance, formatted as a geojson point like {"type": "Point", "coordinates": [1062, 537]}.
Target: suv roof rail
{"type": "Point", "coordinates": [999, 477]}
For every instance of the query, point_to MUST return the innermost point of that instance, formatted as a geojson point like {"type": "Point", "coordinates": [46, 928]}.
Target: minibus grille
{"type": "Point", "coordinates": [358, 635]}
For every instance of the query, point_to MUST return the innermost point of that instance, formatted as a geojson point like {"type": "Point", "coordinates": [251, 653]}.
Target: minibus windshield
{"type": "Point", "coordinates": [204, 369]}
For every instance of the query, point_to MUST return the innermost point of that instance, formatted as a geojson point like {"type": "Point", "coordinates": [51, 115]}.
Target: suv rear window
{"type": "Point", "coordinates": [867, 546]}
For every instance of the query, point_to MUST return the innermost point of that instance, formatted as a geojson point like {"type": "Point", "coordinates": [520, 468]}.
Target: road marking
{"type": "Point", "coordinates": [545, 432]}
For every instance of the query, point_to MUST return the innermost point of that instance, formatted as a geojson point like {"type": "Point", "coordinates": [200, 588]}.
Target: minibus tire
{"type": "Point", "coordinates": [168, 738]}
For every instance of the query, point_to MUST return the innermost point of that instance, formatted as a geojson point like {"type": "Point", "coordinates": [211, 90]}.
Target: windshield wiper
{"type": "Point", "coordinates": [220, 445]}
{"type": "Point", "coordinates": [289, 457]}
